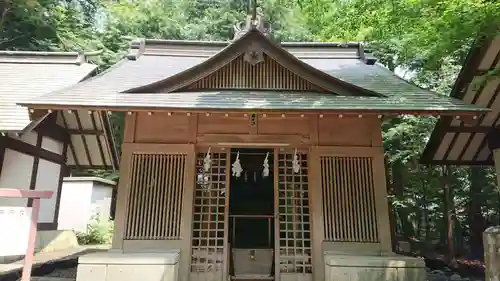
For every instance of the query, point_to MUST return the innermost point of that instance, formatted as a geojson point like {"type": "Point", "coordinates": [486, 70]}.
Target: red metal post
{"type": "Point", "coordinates": [35, 209]}
{"type": "Point", "coordinates": [30, 251]}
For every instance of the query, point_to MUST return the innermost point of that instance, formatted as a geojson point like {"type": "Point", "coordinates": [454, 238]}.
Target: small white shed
{"type": "Point", "coordinates": [82, 198]}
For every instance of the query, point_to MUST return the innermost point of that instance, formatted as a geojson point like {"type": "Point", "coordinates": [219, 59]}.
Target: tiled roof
{"type": "Point", "coordinates": [159, 59]}
{"type": "Point", "coordinates": [26, 75]}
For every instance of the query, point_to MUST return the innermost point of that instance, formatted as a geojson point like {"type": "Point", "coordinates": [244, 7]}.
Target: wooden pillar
{"type": "Point", "coordinates": [122, 194]}
{"type": "Point", "coordinates": [496, 159]}
{"type": "Point", "coordinates": [381, 202]}
{"type": "Point", "coordinates": [123, 185]}
{"type": "Point", "coordinates": [316, 214]}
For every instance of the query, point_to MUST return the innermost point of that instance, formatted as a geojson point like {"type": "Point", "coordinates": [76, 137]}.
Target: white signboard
{"type": "Point", "coordinates": [14, 230]}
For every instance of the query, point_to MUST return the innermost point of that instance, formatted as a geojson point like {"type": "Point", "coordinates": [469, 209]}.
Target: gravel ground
{"type": "Point", "coordinates": [438, 275]}
{"type": "Point", "coordinates": [63, 273]}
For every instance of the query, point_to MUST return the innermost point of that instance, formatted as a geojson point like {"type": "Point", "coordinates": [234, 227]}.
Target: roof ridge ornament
{"type": "Point", "coordinates": [253, 21]}
{"type": "Point", "coordinates": [137, 48]}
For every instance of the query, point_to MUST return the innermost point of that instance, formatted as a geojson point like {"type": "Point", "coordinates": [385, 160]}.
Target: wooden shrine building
{"type": "Point", "coordinates": [36, 154]}
{"type": "Point", "coordinates": [251, 159]}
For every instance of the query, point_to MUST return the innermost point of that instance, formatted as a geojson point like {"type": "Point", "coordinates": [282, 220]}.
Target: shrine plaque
{"type": "Point", "coordinates": [14, 233]}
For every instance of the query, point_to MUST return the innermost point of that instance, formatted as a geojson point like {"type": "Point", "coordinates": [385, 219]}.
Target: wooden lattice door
{"type": "Point", "coordinates": [209, 238]}
{"type": "Point", "coordinates": [293, 244]}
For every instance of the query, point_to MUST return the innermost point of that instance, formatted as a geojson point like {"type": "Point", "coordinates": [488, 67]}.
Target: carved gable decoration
{"type": "Point", "coordinates": [255, 72]}
{"type": "Point", "coordinates": [253, 62]}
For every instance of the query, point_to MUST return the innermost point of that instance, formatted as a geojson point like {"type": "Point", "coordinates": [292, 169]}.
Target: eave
{"type": "Point", "coordinates": [455, 143]}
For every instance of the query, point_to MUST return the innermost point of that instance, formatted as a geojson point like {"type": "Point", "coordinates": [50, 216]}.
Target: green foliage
{"type": "Point", "coordinates": [97, 232]}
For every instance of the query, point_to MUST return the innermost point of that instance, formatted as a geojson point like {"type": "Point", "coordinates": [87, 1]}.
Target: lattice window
{"type": "Point", "coordinates": [209, 218]}
{"type": "Point", "coordinates": [294, 221]}
{"type": "Point", "coordinates": [155, 205]}
{"type": "Point", "coordinates": [266, 75]}
{"type": "Point", "coordinates": [348, 199]}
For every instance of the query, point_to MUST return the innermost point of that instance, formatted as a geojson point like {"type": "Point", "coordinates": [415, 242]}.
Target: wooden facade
{"type": "Point", "coordinates": [345, 209]}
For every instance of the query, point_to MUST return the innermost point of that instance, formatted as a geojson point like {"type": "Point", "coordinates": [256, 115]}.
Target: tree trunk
{"type": "Point", "coordinates": [449, 215]}
{"type": "Point", "coordinates": [477, 222]}
{"type": "Point", "coordinates": [427, 237]}
{"type": "Point", "coordinates": [398, 187]}
{"type": "Point", "coordinates": [392, 218]}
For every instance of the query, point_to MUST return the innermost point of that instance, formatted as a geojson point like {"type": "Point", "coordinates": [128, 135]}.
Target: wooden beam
{"type": "Point", "coordinates": [84, 140]}
{"type": "Point", "coordinates": [49, 128]}
{"type": "Point", "coordinates": [108, 130]}
{"type": "Point", "coordinates": [29, 149]}
{"type": "Point", "coordinates": [93, 132]}
{"type": "Point", "coordinates": [493, 139]}
{"type": "Point", "coordinates": [289, 140]}
{"type": "Point", "coordinates": [472, 129]}
{"type": "Point", "coordinates": [63, 172]}
{"type": "Point", "coordinates": [34, 170]}
{"type": "Point", "coordinates": [98, 139]}
{"type": "Point", "coordinates": [54, 131]}
{"type": "Point", "coordinates": [2, 156]}
{"type": "Point", "coordinates": [73, 152]}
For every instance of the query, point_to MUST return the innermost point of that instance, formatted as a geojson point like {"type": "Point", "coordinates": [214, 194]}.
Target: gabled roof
{"type": "Point", "coordinates": [152, 64]}
{"type": "Point", "coordinates": [27, 75]}
{"type": "Point", "coordinates": [254, 40]}
{"type": "Point", "coordinates": [455, 143]}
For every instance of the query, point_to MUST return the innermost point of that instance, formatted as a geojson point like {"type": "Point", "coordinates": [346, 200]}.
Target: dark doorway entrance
{"type": "Point", "coordinates": [251, 216]}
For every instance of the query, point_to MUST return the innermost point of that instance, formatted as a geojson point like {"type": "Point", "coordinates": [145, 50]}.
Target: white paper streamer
{"type": "Point", "coordinates": [295, 163]}
{"type": "Point", "coordinates": [207, 162]}
{"type": "Point", "coordinates": [265, 172]}
{"type": "Point", "coordinates": [236, 166]}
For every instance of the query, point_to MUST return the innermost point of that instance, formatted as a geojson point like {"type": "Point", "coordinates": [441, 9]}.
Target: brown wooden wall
{"type": "Point", "coordinates": [333, 142]}
{"type": "Point", "coordinates": [295, 128]}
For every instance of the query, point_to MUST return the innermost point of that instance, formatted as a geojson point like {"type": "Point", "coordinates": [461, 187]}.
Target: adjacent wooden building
{"type": "Point", "coordinates": [477, 143]}
{"type": "Point", "coordinates": [454, 142]}
{"type": "Point", "coordinates": [251, 159]}
{"type": "Point", "coordinates": [37, 153]}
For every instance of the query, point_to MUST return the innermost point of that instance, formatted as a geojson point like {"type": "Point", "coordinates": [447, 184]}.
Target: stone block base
{"type": "Point", "coordinates": [113, 266]}
{"type": "Point", "coordinates": [373, 268]}
{"type": "Point", "coordinates": [48, 241]}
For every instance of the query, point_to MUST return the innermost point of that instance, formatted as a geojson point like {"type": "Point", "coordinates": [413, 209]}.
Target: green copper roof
{"type": "Point", "coordinates": [271, 100]}
{"type": "Point", "coordinates": [165, 60]}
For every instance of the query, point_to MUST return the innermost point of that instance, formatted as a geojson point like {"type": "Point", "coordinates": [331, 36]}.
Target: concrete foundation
{"type": "Point", "coordinates": [113, 266]}
{"type": "Point", "coordinates": [373, 268]}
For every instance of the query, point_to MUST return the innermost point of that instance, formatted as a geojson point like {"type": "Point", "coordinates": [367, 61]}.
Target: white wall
{"type": "Point", "coordinates": [30, 138]}
{"type": "Point", "coordinates": [100, 202]}
{"type": "Point", "coordinates": [16, 174]}
{"type": "Point", "coordinates": [47, 178]}
{"type": "Point", "coordinates": [81, 198]}
{"type": "Point", "coordinates": [52, 145]}
{"type": "Point", "coordinates": [74, 207]}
